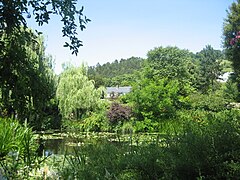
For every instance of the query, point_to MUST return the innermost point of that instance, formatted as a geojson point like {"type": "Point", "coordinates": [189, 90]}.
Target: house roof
{"type": "Point", "coordinates": [125, 89]}
{"type": "Point", "coordinates": [224, 77]}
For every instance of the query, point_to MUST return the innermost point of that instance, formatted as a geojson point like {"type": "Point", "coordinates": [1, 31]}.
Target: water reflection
{"type": "Point", "coordinates": [54, 146]}
{"type": "Point", "coordinates": [40, 147]}
{"type": "Point", "coordinates": [58, 146]}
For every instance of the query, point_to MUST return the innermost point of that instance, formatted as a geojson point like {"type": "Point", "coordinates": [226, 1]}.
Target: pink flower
{"type": "Point", "coordinates": [232, 41]}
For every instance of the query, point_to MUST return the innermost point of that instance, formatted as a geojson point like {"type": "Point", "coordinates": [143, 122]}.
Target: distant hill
{"type": "Point", "coordinates": [117, 73]}
{"type": "Point", "coordinates": [116, 68]}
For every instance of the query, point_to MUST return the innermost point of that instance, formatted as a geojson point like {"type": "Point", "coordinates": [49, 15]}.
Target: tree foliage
{"type": "Point", "coordinates": [24, 69]}
{"type": "Point", "coordinates": [118, 113]}
{"type": "Point", "coordinates": [169, 62]}
{"type": "Point", "coordinates": [156, 99]}
{"type": "Point", "coordinates": [230, 31]}
{"type": "Point", "coordinates": [76, 94]}
{"type": "Point", "coordinates": [209, 67]}
{"type": "Point", "coordinates": [14, 14]}
{"type": "Point", "coordinates": [117, 73]}
{"type": "Point", "coordinates": [24, 72]}
{"type": "Point", "coordinates": [116, 68]}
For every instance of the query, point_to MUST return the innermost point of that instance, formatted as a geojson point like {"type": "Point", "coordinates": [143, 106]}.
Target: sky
{"type": "Point", "coordinates": [120, 29]}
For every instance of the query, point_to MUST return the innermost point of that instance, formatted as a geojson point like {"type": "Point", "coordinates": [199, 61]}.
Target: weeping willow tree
{"type": "Point", "coordinates": [27, 80]}
{"type": "Point", "coordinates": [77, 94]}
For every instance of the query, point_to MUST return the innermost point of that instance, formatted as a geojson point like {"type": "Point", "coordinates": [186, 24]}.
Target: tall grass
{"type": "Point", "coordinates": [18, 156]}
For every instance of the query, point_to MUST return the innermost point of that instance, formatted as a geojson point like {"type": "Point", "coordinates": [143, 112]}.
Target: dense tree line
{"type": "Point", "coordinates": [117, 73]}
{"type": "Point", "coordinates": [116, 68]}
{"type": "Point", "coordinates": [201, 69]}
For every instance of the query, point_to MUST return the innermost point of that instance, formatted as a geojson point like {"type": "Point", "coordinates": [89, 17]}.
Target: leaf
{"type": "Point", "coordinates": [82, 27]}
{"type": "Point", "coordinates": [81, 10]}
{"type": "Point", "coordinates": [87, 20]}
{"type": "Point", "coordinates": [47, 3]}
{"type": "Point", "coordinates": [66, 44]}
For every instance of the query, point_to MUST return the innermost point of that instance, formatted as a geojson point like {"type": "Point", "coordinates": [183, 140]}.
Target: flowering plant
{"type": "Point", "coordinates": [235, 39]}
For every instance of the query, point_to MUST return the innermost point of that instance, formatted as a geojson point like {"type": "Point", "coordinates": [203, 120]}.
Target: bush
{"type": "Point", "coordinates": [208, 150]}
{"type": "Point", "coordinates": [214, 101]}
{"type": "Point", "coordinates": [118, 113]}
{"type": "Point", "coordinates": [96, 122]}
{"type": "Point", "coordinates": [72, 126]}
{"type": "Point", "coordinates": [92, 121]}
{"type": "Point", "coordinates": [230, 91]}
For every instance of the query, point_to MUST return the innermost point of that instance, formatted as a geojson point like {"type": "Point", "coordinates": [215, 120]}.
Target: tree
{"type": "Point", "coordinates": [13, 14]}
{"type": "Point", "coordinates": [116, 68]}
{"type": "Point", "coordinates": [24, 69]}
{"type": "Point", "coordinates": [156, 99]}
{"type": "Point", "coordinates": [76, 94]}
{"type": "Point", "coordinates": [117, 73]}
{"type": "Point", "coordinates": [209, 67]}
{"type": "Point", "coordinates": [231, 35]}
{"type": "Point", "coordinates": [24, 72]}
{"type": "Point", "coordinates": [169, 62]}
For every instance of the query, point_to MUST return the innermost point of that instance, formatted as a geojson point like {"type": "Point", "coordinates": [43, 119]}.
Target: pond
{"type": "Point", "coordinates": [55, 143]}
{"type": "Point", "coordinates": [64, 143]}
{"type": "Point", "coordinates": [65, 149]}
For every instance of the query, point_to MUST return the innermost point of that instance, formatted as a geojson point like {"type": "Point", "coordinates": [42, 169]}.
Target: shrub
{"type": "Point", "coordinates": [127, 127]}
{"type": "Point", "coordinates": [214, 101]}
{"type": "Point", "coordinates": [230, 91]}
{"type": "Point", "coordinates": [118, 113]}
{"type": "Point", "coordinates": [209, 150]}
{"type": "Point", "coordinates": [93, 121]}
{"type": "Point", "coordinates": [97, 122]}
